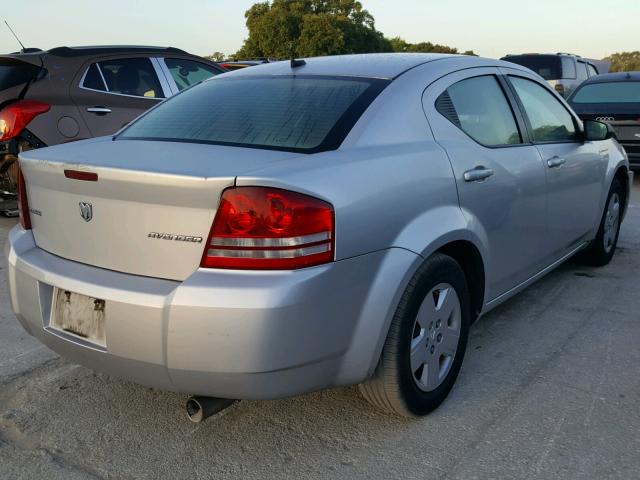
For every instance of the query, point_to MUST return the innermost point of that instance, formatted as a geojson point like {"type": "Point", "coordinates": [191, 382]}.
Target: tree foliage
{"type": "Point", "coordinates": [400, 45]}
{"type": "Point", "coordinates": [282, 28]}
{"type": "Point", "coordinates": [624, 61]}
{"type": "Point", "coordinates": [216, 57]}
{"type": "Point", "coordinates": [307, 28]}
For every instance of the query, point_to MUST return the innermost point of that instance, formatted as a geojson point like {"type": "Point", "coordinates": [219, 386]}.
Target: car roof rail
{"type": "Point", "coordinates": [101, 49]}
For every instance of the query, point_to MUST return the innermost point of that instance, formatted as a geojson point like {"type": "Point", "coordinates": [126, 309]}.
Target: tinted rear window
{"type": "Point", "coordinates": [614, 92]}
{"type": "Point", "coordinates": [14, 73]}
{"type": "Point", "coordinates": [293, 113]}
{"type": "Point", "coordinates": [549, 67]}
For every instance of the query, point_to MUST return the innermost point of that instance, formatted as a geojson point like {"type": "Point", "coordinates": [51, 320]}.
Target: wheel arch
{"type": "Point", "coordinates": [470, 259]}
{"type": "Point", "coordinates": [622, 174]}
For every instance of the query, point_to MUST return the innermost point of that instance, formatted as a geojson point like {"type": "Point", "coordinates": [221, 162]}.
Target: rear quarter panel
{"type": "Point", "coordinates": [390, 183]}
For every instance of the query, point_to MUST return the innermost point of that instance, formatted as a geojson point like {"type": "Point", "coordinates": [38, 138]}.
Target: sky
{"type": "Point", "coordinates": [492, 28]}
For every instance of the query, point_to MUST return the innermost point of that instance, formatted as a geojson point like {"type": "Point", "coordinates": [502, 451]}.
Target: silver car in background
{"type": "Point", "coordinates": [298, 226]}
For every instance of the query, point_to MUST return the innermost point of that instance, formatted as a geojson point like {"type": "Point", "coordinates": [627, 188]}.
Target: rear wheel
{"type": "Point", "coordinates": [426, 342]}
{"type": "Point", "coordinates": [601, 250]}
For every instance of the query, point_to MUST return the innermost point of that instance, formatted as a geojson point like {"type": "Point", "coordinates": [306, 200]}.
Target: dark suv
{"type": "Point", "coordinates": [71, 93]}
{"type": "Point", "coordinates": [563, 71]}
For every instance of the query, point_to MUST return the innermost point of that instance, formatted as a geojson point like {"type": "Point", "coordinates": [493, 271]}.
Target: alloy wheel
{"type": "Point", "coordinates": [611, 222]}
{"type": "Point", "coordinates": [436, 334]}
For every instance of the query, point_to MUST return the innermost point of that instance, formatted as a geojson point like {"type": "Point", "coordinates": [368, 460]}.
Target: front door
{"type": "Point", "coordinates": [575, 169]}
{"type": "Point", "coordinates": [501, 178]}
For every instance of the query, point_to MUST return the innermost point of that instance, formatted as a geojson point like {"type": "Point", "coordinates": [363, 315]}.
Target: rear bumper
{"type": "Point", "coordinates": [233, 334]}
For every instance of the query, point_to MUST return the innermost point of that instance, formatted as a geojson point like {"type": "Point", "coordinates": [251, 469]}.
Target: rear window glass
{"type": "Point", "coordinates": [548, 67]}
{"type": "Point", "coordinates": [294, 113]}
{"type": "Point", "coordinates": [14, 73]}
{"type": "Point", "coordinates": [614, 92]}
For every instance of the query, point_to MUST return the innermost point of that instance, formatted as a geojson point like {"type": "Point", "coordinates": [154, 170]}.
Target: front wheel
{"type": "Point", "coordinates": [426, 342]}
{"type": "Point", "coordinates": [601, 250]}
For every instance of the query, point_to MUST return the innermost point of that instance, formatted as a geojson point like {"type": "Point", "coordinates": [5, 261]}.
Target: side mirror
{"type": "Point", "coordinates": [595, 131]}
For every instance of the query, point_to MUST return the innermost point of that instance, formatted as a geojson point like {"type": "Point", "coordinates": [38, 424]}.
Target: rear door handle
{"type": "Point", "coordinates": [555, 162]}
{"type": "Point", "coordinates": [99, 110]}
{"type": "Point", "coordinates": [477, 174]}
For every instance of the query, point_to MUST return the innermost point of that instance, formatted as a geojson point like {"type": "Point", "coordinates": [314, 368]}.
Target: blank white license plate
{"type": "Point", "coordinates": [79, 315]}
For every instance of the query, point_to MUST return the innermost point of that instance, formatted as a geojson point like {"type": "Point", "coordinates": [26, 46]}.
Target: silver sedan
{"type": "Point", "coordinates": [310, 224]}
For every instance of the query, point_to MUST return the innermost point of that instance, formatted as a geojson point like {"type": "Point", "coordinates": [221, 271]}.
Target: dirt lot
{"type": "Point", "coordinates": [550, 389]}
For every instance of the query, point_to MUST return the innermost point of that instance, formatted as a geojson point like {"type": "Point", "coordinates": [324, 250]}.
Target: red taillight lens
{"type": "Point", "coordinates": [23, 203]}
{"type": "Point", "coordinates": [270, 229]}
{"type": "Point", "coordinates": [15, 116]}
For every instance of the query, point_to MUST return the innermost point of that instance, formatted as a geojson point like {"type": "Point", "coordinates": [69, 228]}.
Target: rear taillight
{"type": "Point", "coordinates": [271, 229]}
{"type": "Point", "coordinates": [23, 203]}
{"type": "Point", "coordinates": [15, 116]}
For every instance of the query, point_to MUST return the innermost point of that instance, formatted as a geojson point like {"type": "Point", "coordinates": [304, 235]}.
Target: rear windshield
{"type": "Point", "coordinates": [292, 113]}
{"type": "Point", "coordinates": [13, 72]}
{"type": "Point", "coordinates": [614, 92]}
{"type": "Point", "coordinates": [549, 67]}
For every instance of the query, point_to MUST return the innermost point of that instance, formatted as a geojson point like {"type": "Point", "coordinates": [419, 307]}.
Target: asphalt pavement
{"type": "Point", "coordinates": [550, 388]}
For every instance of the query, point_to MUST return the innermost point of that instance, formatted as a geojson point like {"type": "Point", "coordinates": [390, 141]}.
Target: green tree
{"type": "Point", "coordinates": [400, 45]}
{"type": "Point", "coordinates": [216, 57]}
{"type": "Point", "coordinates": [624, 61]}
{"type": "Point", "coordinates": [282, 28]}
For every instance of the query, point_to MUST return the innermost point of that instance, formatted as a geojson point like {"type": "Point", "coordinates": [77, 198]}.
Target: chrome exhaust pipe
{"type": "Point", "coordinates": [201, 408]}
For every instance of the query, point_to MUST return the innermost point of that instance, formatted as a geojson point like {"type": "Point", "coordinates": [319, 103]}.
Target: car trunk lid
{"type": "Point", "coordinates": [148, 213]}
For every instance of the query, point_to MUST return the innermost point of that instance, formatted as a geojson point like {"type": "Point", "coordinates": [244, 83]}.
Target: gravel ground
{"type": "Point", "coordinates": [550, 389]}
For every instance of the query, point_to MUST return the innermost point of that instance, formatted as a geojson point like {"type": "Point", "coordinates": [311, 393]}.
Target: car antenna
{"type": "Point", "coordinates": [295, 63]}
{"type": "Point", "coordinates": [14, 34]}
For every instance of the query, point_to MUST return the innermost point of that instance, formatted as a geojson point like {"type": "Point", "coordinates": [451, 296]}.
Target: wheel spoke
{"type": "Point", "coordinates": [432, 370]}
{"type": "Point", "coordinates": [447, 303]}
{"type": "Point", "coordinates": [418, 351]}
{"type": "Point", "coordinates": [449, 343]}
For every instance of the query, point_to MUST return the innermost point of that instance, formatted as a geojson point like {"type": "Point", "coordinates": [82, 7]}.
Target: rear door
{"type": "Point", "coordinates": [110, 92]}
{"type": "Point", "coordinates": [500, 176]}
{"type": "Point", "coordinates": [575, 169]}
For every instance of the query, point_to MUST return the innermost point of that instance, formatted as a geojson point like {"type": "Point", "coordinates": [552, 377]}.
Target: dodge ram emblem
{"type": "Point", "coordinates": [86, 211]}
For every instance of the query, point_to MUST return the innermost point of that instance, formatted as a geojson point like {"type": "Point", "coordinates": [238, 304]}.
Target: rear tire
{"type": "Point", "coordinates": [426, 343]}
{"type": "Point", "coordinates": [601, 250]}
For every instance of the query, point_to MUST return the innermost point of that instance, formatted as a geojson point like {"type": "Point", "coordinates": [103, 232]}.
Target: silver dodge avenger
{"type": "Point", "coordinates": [311, 224]}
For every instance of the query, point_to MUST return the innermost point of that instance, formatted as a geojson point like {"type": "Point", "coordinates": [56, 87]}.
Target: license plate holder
{"type": "Point", "coordinates": [79, 316]}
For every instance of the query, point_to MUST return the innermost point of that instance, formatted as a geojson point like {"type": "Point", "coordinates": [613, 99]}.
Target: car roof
{"type": "Point", "coordinates": [370, 65]}
{"type": "Point", "coordinates": [615, 77]}
{"type": "Point", "coordinates": [559, 54]}
{"type": "Point", "coordinates": [94, 50]}
{"type": "Point", "coordinates": [102, 49]}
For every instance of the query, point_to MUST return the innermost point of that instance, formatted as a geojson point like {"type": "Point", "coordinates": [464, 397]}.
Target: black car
{"type": "Point", "coordinates": [613, 98]}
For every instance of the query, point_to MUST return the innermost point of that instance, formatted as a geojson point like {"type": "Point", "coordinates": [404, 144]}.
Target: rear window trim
{"type": "Point", "coordinates": [334, 138]}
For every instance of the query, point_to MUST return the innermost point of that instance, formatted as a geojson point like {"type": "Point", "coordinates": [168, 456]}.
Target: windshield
{"type": "Point", "coordinates": [549, 67]}
{"type": "Point", "coordinates": [293, 113]}
{"type": "Point", "coordinates": [614, 92]}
